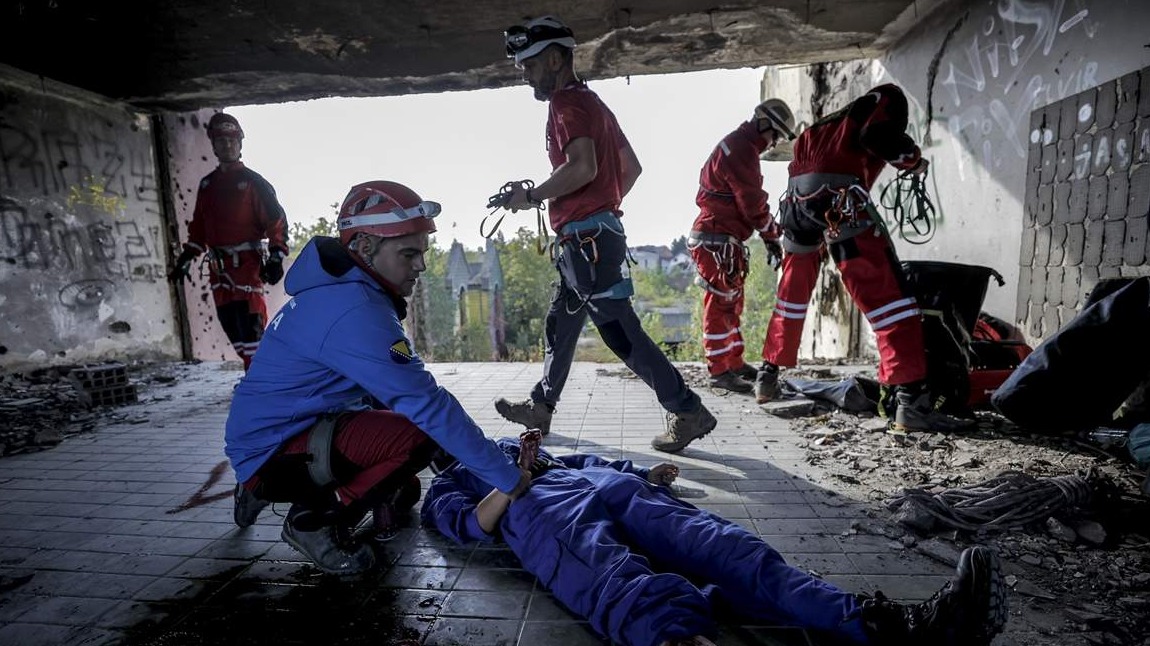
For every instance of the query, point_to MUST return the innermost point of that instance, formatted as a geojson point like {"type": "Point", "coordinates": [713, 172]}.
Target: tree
{"type": "Point", "coordinates": [679, 245]}
{"type": "Point", "coordinates": [527, 279]}
{"type": "Point", "coordinates": [299, 233]}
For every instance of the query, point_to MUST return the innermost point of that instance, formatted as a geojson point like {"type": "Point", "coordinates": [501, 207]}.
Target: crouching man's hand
{"type": "Point", "coordinates": [663, 474]}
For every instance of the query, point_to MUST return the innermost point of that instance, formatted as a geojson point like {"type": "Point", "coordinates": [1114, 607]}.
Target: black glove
{"type": "Point", "coordinates": [272, 269]}
{"type": "Point", "coordinates": [774, 253]}
{"type": "Point", "coordinates": [183, 268]}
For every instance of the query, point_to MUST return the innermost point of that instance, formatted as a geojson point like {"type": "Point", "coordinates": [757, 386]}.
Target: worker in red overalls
{"type": "Point", "coordinates": [827, 206]}
{"type": "Point", "coordinates": [732, 206]}
{"type": "Point", "coordinates": [236, 209]}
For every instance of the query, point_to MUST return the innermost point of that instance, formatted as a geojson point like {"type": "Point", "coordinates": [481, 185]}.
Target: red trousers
{"type": "Point", "coordinates": [873, 277]}
{"type": "Point", "coordinates": [370, 449]}
{"type": "Point", "coordinates": [723, 270]}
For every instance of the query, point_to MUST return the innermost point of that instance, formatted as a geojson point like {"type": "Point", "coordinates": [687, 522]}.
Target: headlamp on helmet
{"type": "Point", "coordinates": [385, 209]}
{"type": "Point", "coordinates": [527, 40]}
{"type": "Point", "coordinates": [779, 115]}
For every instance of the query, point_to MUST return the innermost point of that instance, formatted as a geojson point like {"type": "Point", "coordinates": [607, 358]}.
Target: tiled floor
{"type": "Point", "coordinates": [127, 534]}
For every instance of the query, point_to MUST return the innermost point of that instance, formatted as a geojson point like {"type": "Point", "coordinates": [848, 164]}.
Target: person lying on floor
{"type": "Point", "coordinates": [613, 546]}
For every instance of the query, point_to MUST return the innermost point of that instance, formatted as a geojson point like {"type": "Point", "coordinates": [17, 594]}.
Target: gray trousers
{"type": "Point", "coordinates": [591, 283]}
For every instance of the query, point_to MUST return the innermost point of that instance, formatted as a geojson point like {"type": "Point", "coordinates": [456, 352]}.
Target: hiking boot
{"type": "Point", "coordinates": [684, 428]}
{"type": "Point", "coordinates": [915, 413]}
{"type": "Point", "coordinates": [747, 372]}
{"type": "Point", "coordinates": [732, 382]}
{"type": "Point", "coordinates": [324, 545]}
{"type": "Point", "coordinates": [529, 413]}
{"type": "Point", "coordinates": [766, 383]}
{"type": "Point", "coordinates": [968, 611]}
{"type": "Point", "coordinates": [247, 506]}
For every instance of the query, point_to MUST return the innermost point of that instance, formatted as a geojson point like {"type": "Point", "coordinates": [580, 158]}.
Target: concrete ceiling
{"type": "Point", "coordinates": [187, 54]}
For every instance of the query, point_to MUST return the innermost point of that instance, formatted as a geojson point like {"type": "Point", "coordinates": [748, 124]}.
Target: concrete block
{"type": "Point", "coordinates": [1022, 296]}
{"type": "Point", "coordinates": [1083, 152]}
{"type": "Point", "coordinates": [1075, 241]}
{"type": "Point", "coordinates": [1098, 195]}
{"type": "Point", "coordinates": [1092, 248]}
{"type": "Point", "coordinates": [1124, 147]}
{"type": "Point", "coordinates": [1134, 251]}
{"type": "Point", "coordinates": [1139, 200]}
{"type": "Point", "coordinates": [1089, 280]}
{"type": "Point", "coordinates": [1041, 246]}
{"type": "Point", "coordinates": [1053, 294]}
{"type": "Point", "coordinates": [1057, 245]}
{"type": "Point", "coordinates": [1051, 115]}
{"type": "Point", "coordinates": [1102, 151]}
{"type": "Point", "coordinates": [1060, 203]}
{"type": "Point", "coordinates": [1105, 104]}
{"type": "Point", "coordinates": [1045, 213]}
{"type": "Point", "coordinates": [1117, 196]}
{"type": "Point", "coordinates": [1113, 243]}
{"type": "Point", "coordinates": [1087, 106]}
{"type": "Point", "coordinates": [1050, 322]}
{"type": "Point", "coordinates": [1127, 98]}
{"type": "Point", "coordinates": [789, 408]}
{"type": "Point", "coordinates": [1142, 141]}
{"type": "Point", "coordinates": [1026, 252]}
{"type": "Point", "coordinates": [1107, 272]}
{"type": "Point", "coordinates": [1068, 119]}
{"type": "Point", "coordinates": [1078, 201]}
{"type": "Point", "coordinates": [1144, 94]}
{"type": "Point", "coordinates": [1065, 160]}
{"type": "Point", "coordinates": [1038, 285]}
{"type": "Point", "coordinates": [1048, 164]}
{"type": "Point", "coordinates": [1033, 175]}
{"type": "Point", "coordinates": [1034, 320]}
{"type": "Point", "coordinates": [1071, 286]}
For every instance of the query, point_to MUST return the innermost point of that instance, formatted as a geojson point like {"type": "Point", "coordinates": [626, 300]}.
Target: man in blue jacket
{"type": "Point", "coordinates": [645, 569]}
{"type": "Point", "coordinates": [337, 413]}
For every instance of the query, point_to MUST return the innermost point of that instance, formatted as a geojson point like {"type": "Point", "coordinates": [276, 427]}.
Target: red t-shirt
{"type": "Point", "coordinates": [575, 111]}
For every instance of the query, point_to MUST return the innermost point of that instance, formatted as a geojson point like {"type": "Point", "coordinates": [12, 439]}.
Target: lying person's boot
{"type": "Point", "coordinates": [766, 383]}
{"type": "Point", "coordinates": [323, 543]}
{"type": "Point", "coordinates": [529, 413]}
{"type": "Point", "coordinates": [684, 428]}
{"type": "Point", "coordinates": [915, 413]}
{"type": "Point", "coordinates": [968, 611]}
{"type": "Point", "coordinates": [747, 372]}
{"type": "Point", "coordinates": [732, 382]}
{"type": "Point", "coordinates": [247, 506]}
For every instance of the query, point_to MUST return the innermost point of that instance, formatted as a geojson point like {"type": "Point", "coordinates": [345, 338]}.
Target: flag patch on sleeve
{"type": "Point", "coordinates": [401, 352]}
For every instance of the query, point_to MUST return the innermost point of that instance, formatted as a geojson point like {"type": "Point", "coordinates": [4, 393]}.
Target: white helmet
{"type": "Point", "coordinates": [527, 40]}
{"type": "Point", "coordinates": [782, 120]}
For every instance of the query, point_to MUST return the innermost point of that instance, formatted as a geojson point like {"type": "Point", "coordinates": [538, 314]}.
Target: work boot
{"type": "Point", "coordinates": [747, 372]}
{"type": "Point", "coordinates": [915, 413]}
{"type": "Point", "coordinates": [766, 383]}
{"type": "Point", "coordinates": [247, 506]}
{"type": "Point", "coordinates": [732, 382]}
{"type": "Point", "coordinates": [968, 611]}
{"type": "Point", "coordinates": [324, 544]}
{"type": "Point", "coordinates": [529, 413]}
{"type": "Point", "coordinates": [684, 428]}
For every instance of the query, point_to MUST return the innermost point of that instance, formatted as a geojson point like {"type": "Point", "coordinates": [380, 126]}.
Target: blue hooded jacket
{"type": "Point", "coordinates": [333, 347]}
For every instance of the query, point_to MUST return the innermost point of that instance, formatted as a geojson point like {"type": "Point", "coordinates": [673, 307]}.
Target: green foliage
{"type": "Point", "coordinates": [758, 304]}
{"type": "Point", "coordinates": [440, 342]}
{"type": "Point", "coordinates": [527, 279]}
{"type": "Point", "coordinates": [299, 233]}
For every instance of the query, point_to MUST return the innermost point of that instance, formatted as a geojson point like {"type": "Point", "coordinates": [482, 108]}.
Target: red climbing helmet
{"type": "Point", "coordinates": [386, 209]}
{"type": "Point", "coordinates": [224, 125]}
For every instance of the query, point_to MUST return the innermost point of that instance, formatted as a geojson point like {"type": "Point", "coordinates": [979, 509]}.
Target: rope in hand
{"type": "Point", "coordinates": [500, 201]}
{"type": "Point", "coordinates": [1009, 500]}
{"type": "Point", "coordinates": [910, 206]}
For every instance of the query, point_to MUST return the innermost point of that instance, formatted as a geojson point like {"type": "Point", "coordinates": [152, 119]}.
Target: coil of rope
{"type": "Point", "coordinates": [500, 200]}
{"type": "Point", "coordinates": [906, 199]}
{"type": "Point", "coordinates": [1007, 501]}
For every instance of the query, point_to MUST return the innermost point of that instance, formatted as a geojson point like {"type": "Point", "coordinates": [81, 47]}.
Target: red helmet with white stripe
{"type": "Point", "coordinates": [386, 209]}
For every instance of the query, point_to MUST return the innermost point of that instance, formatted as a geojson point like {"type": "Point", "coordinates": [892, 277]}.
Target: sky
{"type": "Point", "coordinates": [458, 148]}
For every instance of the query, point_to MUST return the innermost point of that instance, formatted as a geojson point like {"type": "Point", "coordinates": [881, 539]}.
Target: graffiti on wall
{"type": "Point", "coordinates": [107, 248]}
{"type": "Point", "coordinates": [987, 83]}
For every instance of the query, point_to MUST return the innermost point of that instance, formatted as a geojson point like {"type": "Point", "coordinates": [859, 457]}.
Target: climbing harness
{"type": "Point", "coordinates": [500, 201]}
{"type": "Point", "coordinates": [583, 237]}
{"type": "Point", "coordinates": [910, 206]}
{"type": "Point", "coordinates": [731, 257]}
{"type": "Point", "coordinates": [849, 205]}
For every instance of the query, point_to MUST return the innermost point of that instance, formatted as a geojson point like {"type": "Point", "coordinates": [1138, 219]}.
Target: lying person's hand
{"type": "Point", "coordinates": [663, 474]}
